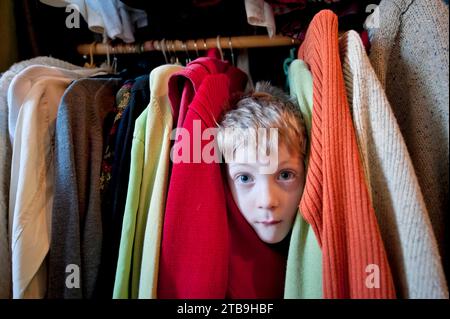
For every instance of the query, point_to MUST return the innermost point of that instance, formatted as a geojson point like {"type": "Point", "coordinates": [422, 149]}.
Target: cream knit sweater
{"type": "Point", "coordinates": [396, 196]}
{"type": "Point", "coordinates": [411, 59]}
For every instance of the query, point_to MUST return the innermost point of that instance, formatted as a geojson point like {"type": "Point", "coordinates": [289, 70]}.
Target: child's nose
{"type": "Point", "coordinates": [267, 197]}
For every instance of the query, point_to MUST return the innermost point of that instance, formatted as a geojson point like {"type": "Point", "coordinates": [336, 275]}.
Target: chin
{"type": "Point", "coordinates": [271, 240]}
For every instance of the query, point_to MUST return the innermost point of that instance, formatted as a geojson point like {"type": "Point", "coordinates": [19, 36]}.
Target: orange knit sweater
{"type": "Point", "coordinates": [336, 201]}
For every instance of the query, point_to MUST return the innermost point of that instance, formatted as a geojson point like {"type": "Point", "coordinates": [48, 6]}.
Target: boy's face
{"type": "Point", "coordinates": [268, 202]}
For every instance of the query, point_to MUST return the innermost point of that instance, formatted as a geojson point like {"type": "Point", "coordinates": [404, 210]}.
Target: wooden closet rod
{"type": "Point", "coordinates": [225, 43]}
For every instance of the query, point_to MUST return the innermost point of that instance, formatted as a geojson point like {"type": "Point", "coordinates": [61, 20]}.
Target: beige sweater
{"type": "Point", "coordinates": [410, 57]}
{"type": "Point", "coordinates": [396, 196]}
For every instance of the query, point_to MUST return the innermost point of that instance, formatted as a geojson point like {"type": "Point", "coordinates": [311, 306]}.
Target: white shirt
{"type": "Point", "coordinates": [112, 17]}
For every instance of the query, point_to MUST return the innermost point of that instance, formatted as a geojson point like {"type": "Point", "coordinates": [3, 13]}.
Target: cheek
{"type": "Point", "coordinates": [242, 198]}
{"type": "Point", "coordinates": [292, 201]}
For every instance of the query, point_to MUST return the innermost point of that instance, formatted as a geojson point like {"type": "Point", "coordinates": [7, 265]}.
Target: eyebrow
{"type": "Point", "coordinates": [288, 161]}
{"type": "Point", "coordinates": [240, 164]}
{"type": "Point", "coordinates": [255, 164]}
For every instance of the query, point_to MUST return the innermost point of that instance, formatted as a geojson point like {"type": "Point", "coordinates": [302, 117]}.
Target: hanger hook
{"type": "Point", "coordinates": [139, 47]}
{"type": "Point", "coordinates": [108, 57]}
{"type": "Point", "coordinates": [174, 52]}
{"type": "Point", "coordinates": [183, 44]}
{"type": "Point", "coordinates": [105, 42]}
{"type": "Point", "coordinates": [91, 56]}
{"type": "Point", "coordinates": [231, 50]}
{"type": "Point", "coordinates": [196, 48]}
{"type": "Point", "coordinates": [114, 63]}
{"type": "Point", "coordinates": [219, 47]}
{"type": "Point", "coordinates": [163, 44]}
{"type": "Point", "coordinates": [171, 57]}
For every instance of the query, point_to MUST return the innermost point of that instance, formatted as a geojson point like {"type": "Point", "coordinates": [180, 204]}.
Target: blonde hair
{"type": "Point", "coordinates": [265, 108]}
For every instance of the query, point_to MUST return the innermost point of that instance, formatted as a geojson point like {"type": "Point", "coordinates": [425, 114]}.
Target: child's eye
{"type": "Point", "coordinates": [244, 179]}
{"type": "Point", "coordinates": [286, 175]}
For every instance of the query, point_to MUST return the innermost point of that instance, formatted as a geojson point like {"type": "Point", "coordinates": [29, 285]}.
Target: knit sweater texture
{"type": "Point", "coordinates": [410, 55]}
{"type": "Point", "coordinates": [194, 247]}
{"type": "Point", "coordinates": [304, 264]}
{"type": "Point", "coordinates": [396, 196]}
{"type": "Point", "coordinates": [76, 236]}
{"type": "Point", "coordinates": [335, 201]}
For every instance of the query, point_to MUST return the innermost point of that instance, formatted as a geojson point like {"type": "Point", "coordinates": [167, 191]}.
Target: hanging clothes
{"type": "Point", "coordinates": [157, 143]}
{"type": "Point", "coordinates": [335, 200]}
{"type": "Point", "coordinates": [22, 83]}
{"type": "Point", "coordinates": [410, 55]}
{"type": "Point", "coordinates": [115, 194]}
{"type": "Point", "coordinates": [32, 175]}
{"type": "Point", "coordinates": [130, 252]}
{"type": "Point", "coordinates": [111, 240]}
{"type": "Point", "coordinates": [139, 99]}
{"type": "Point", "coordinates": [398, 201]}
{"type": "Point", "coordinates": [259, 13]}
{"type": "Point", "coordinates": [5, 163]}
{"type": "Point", "coordinates": [112, 17]}
{"type": "Point", "coordinates": [195, 226]}
{"type": "Point", "coordinates": [122, 101]}
{"type": "Point", "coordinates": [76, 234]}
{"type": "Point", "coordinates": [136, 275]}
{"type": "Point", "coordinates": [304, 264]}
{"type": "Point", "coordinates": [36, 92]}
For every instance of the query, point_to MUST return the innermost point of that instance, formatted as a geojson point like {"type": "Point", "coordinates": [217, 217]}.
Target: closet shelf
{"type": "Point", "coordinates": [238, 42]}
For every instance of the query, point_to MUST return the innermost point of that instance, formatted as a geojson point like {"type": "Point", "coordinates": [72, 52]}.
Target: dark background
{"type": "Point", "coordinates": [42, 30]}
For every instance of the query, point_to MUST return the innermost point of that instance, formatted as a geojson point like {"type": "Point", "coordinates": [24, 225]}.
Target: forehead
{"type": "Point", "coordinates": [253, 157]}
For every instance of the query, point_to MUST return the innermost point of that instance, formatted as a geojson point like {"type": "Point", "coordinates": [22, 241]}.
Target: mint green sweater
{"type": "Point", "coordinates": [304, 265]}
{"type": "Point", "coordinates": [137, 266]}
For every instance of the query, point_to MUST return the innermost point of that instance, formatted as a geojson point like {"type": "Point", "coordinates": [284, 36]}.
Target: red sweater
{"type": "Point", "coordinates": [195, 248]}
{"type": "Point", "coordinates": [335, 200]}
{"type": "Point", "coordinates": [256, 270]}
{"type": "Point", "coordinates": [208, 249]}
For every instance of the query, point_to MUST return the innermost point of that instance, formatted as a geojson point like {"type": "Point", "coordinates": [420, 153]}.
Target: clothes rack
{"type": "Point", "coordinates": [238, 42]}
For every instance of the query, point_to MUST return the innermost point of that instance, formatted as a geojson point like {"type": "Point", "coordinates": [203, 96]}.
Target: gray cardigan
{"type": "Point", "coordinates": [76, 238]}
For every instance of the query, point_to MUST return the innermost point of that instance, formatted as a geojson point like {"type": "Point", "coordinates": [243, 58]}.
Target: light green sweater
{"type": "Point", "coordinates": [157, 141]}
{"type": "Point", "coordinates": [304, 265]}
{"type": "Point", "coordinates": [144, 210]}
